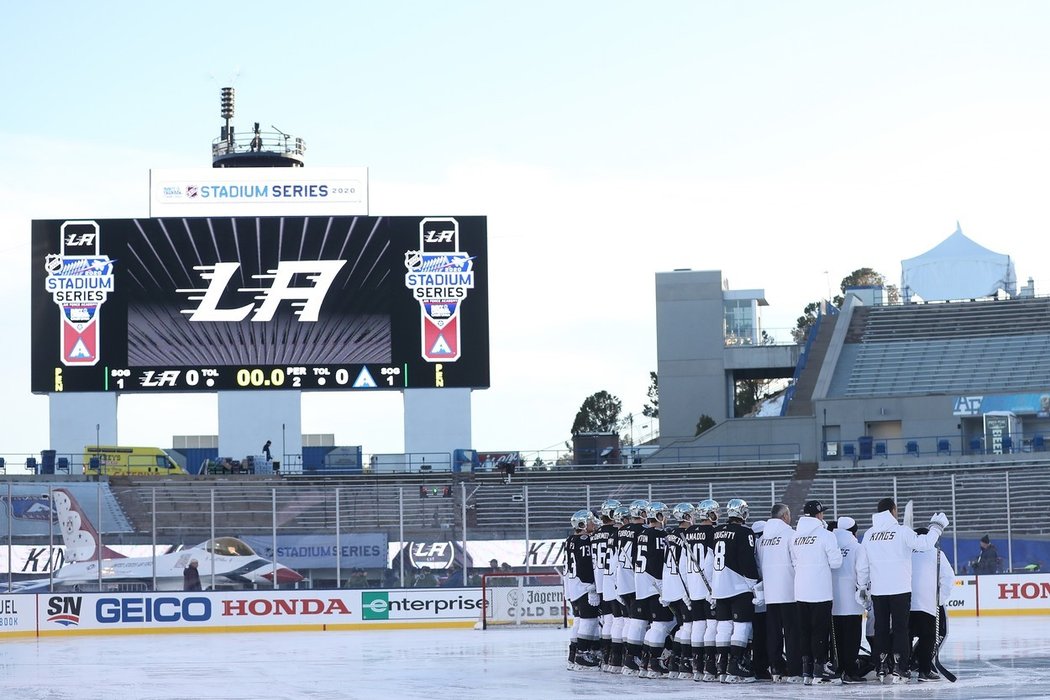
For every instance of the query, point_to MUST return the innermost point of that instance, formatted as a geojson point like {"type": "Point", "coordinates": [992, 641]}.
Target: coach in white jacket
{"type": "Point", "coordinates": [778, 582]}
{"type": "Point", "coordinates": [847, 614]}
{"type": "Point", "coordinates": [884, 570]}
{"type": "Point", "coordinates": [930, 590]}
{"type": "Point", "coordinates": [814, 554]}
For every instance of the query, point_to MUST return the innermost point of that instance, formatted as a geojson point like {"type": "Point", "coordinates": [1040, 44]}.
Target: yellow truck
{"type": "Point", "coordinates": [118, 460]}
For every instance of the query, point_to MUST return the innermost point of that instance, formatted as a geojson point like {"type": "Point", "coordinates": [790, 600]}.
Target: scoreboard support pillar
{"type": "Point", "coordinates": [247, 419]}
{"type": "Point", "coordinates": [436, 421]}
{"type": "Point", "coordinates": [81, 419]}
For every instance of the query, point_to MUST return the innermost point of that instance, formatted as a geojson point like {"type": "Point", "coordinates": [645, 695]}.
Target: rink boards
{"type": "Point", "coordinates": [54, 614]}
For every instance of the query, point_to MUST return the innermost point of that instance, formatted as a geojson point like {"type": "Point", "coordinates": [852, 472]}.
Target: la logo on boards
{"type": "Point", "coordinates": [79, 280]}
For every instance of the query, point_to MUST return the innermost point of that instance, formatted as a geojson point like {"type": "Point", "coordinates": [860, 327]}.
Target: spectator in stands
{"type": "Point", "coordinates": [454, 579]}
{"type": "Point", "coordinates": [357, 579]}
{"type": "Point", "coordinates": [987, 562]}
{"type": "Point", "coordinates": [426, 579]}
{"type": "Point", "coordinates": [266, 451]}
{"type": "Point", "coordinates": [191, 578]}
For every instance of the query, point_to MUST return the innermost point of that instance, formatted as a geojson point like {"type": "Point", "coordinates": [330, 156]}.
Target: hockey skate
{"type": "Point", "coordinates": [632, 665]}
{"type": "Point", "coordinates": [735, 673]}
{"type": "Point", "coordinates": [657, 667]}
{"type": "Point", "coordinates": [586, 661]}
{"type": "Point", "coordinates": [901, 673]}
{"type": "Point", "coordinates": [929, 676]}
{"type": "Point", "coordinates": [710, 668]}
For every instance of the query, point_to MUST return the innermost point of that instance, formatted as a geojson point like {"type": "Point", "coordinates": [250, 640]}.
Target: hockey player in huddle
{"type": "Point", "coordinates": [650, 618]}
{"type": "Point", "coordinates": [582, 593]}
{"type": "Point", "coordinates": [634, 627]}
{"type": "Point", "coordinates": [932, 578]}
{"type": "Point", "coordinates": [602, 542]}
{"type": "Point", "coordinates": [675, 595]}
{"type": "Point", "coordinates": [620, 517]}
{"type": "Point", "coordinates": [814, 554]}
{"type": "Point", "coordinates": [698, 568]}
{"type": "Point", "coordinates": [884, 571]}
{"type": "Point", "coordinates": [778, 582]}
{"type": "Point", "coordinates": [759, 652]}
{"type": "Point", "coordinates": [736, 589]}
{"type": "Point", "coordinates": [847, 615]}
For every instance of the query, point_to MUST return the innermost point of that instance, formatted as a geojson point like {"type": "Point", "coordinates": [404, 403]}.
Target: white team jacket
{"type": "Point", "coordinates": [814, 553]}
{"type": "Point", "coordinates": [844, 578]}
{"type": "Point", "coordinates": [884, 560]}
{"type": "Point", "coordinates": [924, 580]}
{"type": "Point", "coordinates": [774, 561]}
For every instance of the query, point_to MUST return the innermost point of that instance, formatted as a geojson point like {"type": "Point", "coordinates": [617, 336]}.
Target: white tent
{"type": "Point", "coordinates": [957, 268]}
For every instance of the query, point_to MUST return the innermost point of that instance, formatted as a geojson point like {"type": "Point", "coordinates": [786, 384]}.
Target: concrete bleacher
{"type": "Point", "coordinates": [946, 348]}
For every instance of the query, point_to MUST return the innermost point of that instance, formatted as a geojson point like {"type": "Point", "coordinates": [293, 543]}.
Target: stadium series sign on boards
{"type": "Point", "coordinates": [220, 303]}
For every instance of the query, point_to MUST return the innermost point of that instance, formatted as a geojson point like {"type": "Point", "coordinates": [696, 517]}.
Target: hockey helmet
{"type": "Point", "coordinates": [708, 510]}
{"type": "Point", "coordinates": [608, 506]}
{"type": "Point", "coordinates": [637, 508]}
{"type": "Point", "coordinates": [580, 519]}
{"type": "Point", "coordinates": [737, 508]}
{"type": "Point", "coordinates": [682, 511]}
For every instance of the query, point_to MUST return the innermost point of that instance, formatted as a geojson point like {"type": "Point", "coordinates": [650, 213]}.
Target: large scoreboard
{"type": "Point", "coordinates": [216, 304]}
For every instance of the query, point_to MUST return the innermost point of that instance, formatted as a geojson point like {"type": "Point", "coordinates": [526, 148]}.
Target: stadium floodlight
{"type": "Point", "coordinates": [227, 103]}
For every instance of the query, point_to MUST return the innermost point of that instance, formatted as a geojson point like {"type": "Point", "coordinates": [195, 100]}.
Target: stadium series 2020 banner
{"type": "Point", "coordinates": [311, 303]}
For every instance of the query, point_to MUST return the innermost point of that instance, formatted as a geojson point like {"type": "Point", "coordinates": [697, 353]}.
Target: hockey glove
{"type": "Point", "coordinates": [594, 599]}
{"type": "Point", "coordinates": [863, 597]}
{"type": "Point", "coordinates": [939, 520]}
{"type": "Point", "coordinates": [760, 595]}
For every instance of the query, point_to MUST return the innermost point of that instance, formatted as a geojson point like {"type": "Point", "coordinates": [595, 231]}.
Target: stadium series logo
{"type": "Point", "coordinates": [439, 275]}
{"type": "Point", "coordinates": [79, 280]}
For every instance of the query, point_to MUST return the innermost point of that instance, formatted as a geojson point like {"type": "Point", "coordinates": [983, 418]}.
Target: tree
{"type": "Point", "coordinates": [652, 408]}
{"type": "Point", "coordinates": [861, 277]}
{"type": "Point", "coordinates": [705, 423]}
{"type": "Point", "coordinates": [600, 413]}
{"type": "Point", "coordinates": [749, 393]}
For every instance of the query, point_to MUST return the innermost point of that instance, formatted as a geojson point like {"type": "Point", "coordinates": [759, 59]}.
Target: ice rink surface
{"type": "Point", "coordinates": [1004, 657]}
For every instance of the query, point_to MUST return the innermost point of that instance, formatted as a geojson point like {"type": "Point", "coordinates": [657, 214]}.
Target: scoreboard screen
{"type": "Point", "coordinates": [216, 304]}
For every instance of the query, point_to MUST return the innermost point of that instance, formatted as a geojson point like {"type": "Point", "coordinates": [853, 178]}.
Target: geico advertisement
{"type": "Point", "coordinates": [453, 604]}
{"type": "Point", "coordinates": [1014, 593]}
{"type": "Point", "coordinates": [228, 609]}
{"type": "Point", "coordinates": [17, 614]}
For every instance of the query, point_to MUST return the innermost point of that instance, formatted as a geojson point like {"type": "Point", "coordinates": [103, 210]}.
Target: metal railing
{"type": "Point", "coordinates": [448, 525]}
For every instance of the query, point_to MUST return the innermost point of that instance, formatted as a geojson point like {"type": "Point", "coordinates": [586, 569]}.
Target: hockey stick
{"type": "Point", "coordinates": [938, 639]}
{"type": "Point", "coordinates": [678, 571]}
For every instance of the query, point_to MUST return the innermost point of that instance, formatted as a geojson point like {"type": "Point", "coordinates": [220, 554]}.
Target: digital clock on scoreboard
{"type": "Point", "coordinates": [216, 304]}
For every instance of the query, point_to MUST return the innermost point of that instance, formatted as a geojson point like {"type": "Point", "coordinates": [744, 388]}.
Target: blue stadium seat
{"type": "Point", "coordinates": [912, 448]}
{"type": "Point", "coordinates": [849, 449]}
{"type": "Point", "coordinates": [31, 464]}
{"type": "Point", "coordinates": [975, 446]}
{"type": "Point", "coordinates": [1008, 445]}
{"type": "Point", "coordinates": [1039, 443]}
{"type": "Point", "coordinates": [944, 447]}
{"type": "Point", "coordinates": [880, 449]}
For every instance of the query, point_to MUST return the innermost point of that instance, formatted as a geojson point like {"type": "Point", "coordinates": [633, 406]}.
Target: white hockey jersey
{"type": "Point", "coordinates": [884, 561]}
{"type": "Point", "coordinates": [774, 560]}
{"type": "Point", "coordinates": [924, 580]}
{"type": "Point", "coordinates": [814, 553]}
{"type": "Point", "coordinates": [844, 578]}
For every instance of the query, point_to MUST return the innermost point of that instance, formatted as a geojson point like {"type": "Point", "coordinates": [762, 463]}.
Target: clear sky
{"type": "Point", "coordinates": [785, 144]}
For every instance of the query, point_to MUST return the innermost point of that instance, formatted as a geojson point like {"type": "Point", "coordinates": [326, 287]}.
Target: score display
{"type": "Point", "coordinates": [257, 303]}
